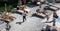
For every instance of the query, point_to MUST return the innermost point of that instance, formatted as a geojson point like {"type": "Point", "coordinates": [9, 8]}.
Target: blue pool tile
{"type": "Point", "coordinates": [58, 20]}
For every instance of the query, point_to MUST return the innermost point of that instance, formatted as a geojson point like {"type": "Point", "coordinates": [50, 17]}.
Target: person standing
{"type": "Point", "coordinates": [24, 16]}
{"type": "Point", "coordinates": [55, 16]}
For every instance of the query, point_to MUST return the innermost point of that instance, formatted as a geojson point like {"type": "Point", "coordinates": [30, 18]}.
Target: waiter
{"type": "Point", "coordinates": [24, 16]}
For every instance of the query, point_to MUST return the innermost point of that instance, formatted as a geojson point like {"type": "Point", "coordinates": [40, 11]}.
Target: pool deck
{"type": "Point", "coordinates": [31, 24]}
{"type": "Point", "coordinates": [57, 23]}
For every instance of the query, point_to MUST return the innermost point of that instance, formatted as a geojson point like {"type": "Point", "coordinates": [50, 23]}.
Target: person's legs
{"type": "Point", "coordinates": [24, 18]}
{"type": "Point", "coordinates": [53, 23]}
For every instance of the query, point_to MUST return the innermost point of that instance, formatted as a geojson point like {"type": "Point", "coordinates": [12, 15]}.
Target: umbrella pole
{"type": "Point", "coordinates": [5, 7]}
{"type": "Point", "coordinates": [40, 5]}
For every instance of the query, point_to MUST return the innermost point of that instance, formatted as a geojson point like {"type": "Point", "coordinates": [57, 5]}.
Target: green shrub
{"type": "Point", "coordinates": [3, 8]}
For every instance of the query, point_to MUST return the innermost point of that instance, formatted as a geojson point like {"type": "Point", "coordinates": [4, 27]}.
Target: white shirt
{"type": "Point", "coordinates": [24, 14]}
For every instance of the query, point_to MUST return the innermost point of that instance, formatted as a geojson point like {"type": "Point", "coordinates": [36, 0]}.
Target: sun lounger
{"type": "Point", "coordinates": [27, 10]}
{"type": "Point", "coordinates": [5, 19]}
{"type": "Point", "coordinates": [20, 11]}
{"type": "Point", "coordinates": [50, 4]}
{"type": "Point", "coordinates": [40, 15]}
{"type": "Point", "coordinates": [51, 8]}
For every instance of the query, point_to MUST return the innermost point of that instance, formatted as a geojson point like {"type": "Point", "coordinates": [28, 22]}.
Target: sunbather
{"type": "Point", "coordinates": [7, 16]}
{"type": "Point", "coordinates": [26, 9]}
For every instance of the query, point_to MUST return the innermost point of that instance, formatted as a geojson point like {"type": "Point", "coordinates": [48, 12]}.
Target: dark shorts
{"type": "Point", "coordinates": [24, 16]}
{"type": "Point", "coordinates": [6, 21]}
{"type": "Point", "coordinates": [55, 16]}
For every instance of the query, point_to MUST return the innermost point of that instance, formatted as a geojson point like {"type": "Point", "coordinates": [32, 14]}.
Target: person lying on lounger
{"type": "Point", "coordinates": [42, 11]}
{"type": "Point", "coordinates": [7, 16]}
{"type": "Point", "coordinates": [26, 9]}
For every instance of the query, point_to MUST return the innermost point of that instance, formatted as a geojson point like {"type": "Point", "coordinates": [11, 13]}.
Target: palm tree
{"type": "Point", "coordinates": [5, 1]}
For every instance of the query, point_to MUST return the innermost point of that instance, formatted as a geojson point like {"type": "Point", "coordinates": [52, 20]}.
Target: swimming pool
{"type": "Point", "coordinates": [58, 19]}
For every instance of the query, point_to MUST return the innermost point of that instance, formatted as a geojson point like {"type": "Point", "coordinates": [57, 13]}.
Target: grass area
{"type": "Point", "coordinates": [3, 8]}
{"type": "Point", "coordinates": [10, 4]}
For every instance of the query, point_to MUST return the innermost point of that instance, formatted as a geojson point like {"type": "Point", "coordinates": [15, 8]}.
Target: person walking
{"type": "Point", "coordinates": [24, 16]}
{"type": "Point", "coordinates": [55, 16]}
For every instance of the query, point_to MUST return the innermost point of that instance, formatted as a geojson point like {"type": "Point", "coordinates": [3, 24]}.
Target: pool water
{"type": "Point", "coordinates": [58, 20]}
{"type": "Point", "coordinates": [1, 22]}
